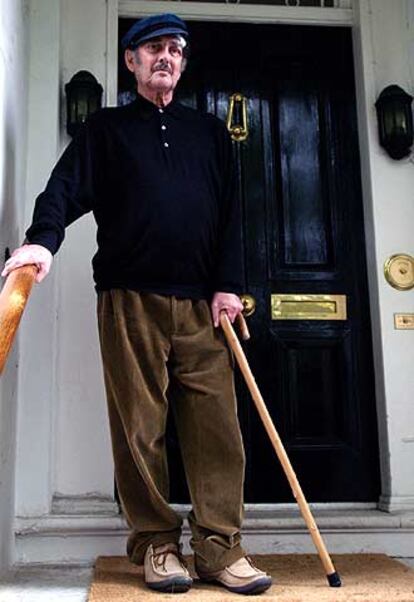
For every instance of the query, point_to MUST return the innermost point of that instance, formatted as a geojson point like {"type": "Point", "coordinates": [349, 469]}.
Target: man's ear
{"type": "Point", "coordinates": [129, 59]}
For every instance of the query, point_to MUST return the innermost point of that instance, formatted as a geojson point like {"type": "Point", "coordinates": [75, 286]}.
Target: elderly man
{"type": "Point", "coordinates": [159, 179]}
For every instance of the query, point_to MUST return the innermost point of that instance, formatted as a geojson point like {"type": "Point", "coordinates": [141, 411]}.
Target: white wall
{"type": "Point", "coordinates": [387, 47]}
{"type": "Point", "coordinates": [13, 105]}
{"type": "Point", "coordinates": [83, 457]}
{"type": "Point", "coordinates": [389, 213]}
{"type": "Point", "coordinates": [63, 441]}
{"type": "Point", "coordinates": [38, 333]}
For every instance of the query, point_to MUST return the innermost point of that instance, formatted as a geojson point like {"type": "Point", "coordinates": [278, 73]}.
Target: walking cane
{"type": "Point", "coordinates": [334, 579]}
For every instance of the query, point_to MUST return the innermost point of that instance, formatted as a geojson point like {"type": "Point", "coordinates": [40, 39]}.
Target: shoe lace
{"type": "Point", "coordinates": [160, 558]}
{"type": "Point", "coordinates": [250, 561]}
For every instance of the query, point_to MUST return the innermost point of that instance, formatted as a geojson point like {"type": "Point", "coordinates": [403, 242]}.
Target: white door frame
{"type": "Point", "coordinates": [204, 11]}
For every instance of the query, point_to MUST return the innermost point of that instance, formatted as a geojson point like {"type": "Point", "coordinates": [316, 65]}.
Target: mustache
{"type": "Point", "coordinates": [162, 66]}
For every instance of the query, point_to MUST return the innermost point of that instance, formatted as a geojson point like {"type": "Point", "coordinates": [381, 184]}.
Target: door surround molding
{"type": "Point", "coordinates": [205, 11]}
{"type": "Point", "coordinates": [357, 17]}
{"type": "Point", "coordinates": [215, 11]}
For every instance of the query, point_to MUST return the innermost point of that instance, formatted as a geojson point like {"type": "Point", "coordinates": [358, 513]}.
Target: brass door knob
{"type": "Point", "coordinates": [249, 304]}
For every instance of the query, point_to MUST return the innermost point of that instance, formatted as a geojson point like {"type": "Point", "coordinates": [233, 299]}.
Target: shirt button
{"type": "Point", "coordinates": [161, 110]}
{"type": "Point", "coordinates": [163, 127]}
{"type": "Point", "coordinates": [166, 144]}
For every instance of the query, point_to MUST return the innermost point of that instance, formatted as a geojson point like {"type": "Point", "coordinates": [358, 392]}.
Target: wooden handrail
{"type": "Point", "coordinates": [13, 299]}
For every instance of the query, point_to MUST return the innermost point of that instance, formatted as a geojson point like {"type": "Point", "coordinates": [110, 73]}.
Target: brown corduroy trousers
{"type": "Point", "coordinates": [148, 340]}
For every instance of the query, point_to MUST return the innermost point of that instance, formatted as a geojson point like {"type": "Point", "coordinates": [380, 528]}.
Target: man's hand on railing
{"type": "Point", "coordinates": [27, 255]}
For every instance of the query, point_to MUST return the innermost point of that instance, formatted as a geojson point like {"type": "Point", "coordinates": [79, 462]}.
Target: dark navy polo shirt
{"type": "Point", "coordinates": [161, 185]}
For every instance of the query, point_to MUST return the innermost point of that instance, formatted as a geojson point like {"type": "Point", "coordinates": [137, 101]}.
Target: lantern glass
{"type": "Point", "coordinates": [400, 121]}
{"type": "Point", "coordinates": [82, 108]}
{"type": "Point", "coordinates": [395, 121]}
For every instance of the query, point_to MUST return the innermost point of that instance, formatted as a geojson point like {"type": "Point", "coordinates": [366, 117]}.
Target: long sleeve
{"type": "Point", "coordinates": [230, 270]}
{"type": "Point", "coordinates": [68, 195]}
{"type": "Point", "coordinates": [163, 192]}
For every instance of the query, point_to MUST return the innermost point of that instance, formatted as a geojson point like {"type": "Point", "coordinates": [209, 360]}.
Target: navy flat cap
{"type": "Point", "coordinates": [152, 27]}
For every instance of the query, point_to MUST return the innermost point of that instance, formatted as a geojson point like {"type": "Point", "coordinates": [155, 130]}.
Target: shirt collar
{"type": "Point", "coordinates": [146, 109]}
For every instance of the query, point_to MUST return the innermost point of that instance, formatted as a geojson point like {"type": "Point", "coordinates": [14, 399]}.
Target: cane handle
{"type": "Point", "coordinates": [244, 331]}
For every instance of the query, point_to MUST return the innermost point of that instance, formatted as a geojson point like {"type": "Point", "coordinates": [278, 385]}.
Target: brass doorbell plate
{"type": "Point", "coordinates": [399, 271]}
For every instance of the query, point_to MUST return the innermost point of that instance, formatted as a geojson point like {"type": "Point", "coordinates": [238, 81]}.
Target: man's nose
{"type": "Point", "coordinates": [164, 54]}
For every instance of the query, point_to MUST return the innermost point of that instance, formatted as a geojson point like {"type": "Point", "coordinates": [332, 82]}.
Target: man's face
{"type": "Point", "coordinates": [157, 64]}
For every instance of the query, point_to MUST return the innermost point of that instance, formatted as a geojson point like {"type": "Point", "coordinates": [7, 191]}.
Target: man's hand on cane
{"type": "Point", "coordinates": [229, 302]}
{"type": "Point", "coordinates": [28, 255]}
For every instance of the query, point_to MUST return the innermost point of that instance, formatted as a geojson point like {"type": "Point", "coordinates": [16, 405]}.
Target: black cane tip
{"type": "Point", "coordinates": [334, 580]}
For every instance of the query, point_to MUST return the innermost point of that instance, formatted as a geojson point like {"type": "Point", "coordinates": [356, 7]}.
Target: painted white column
{"type": "Point", "coordinates": [83, 459]}
{"type": "Point", "coordinates": [38, 349]}
{"type": "Point", "coordinates": [13, 106]}
{"type": "Point", "coordinates": [384, 41]}
{"type": "Point", "coordinates": [63, 439]}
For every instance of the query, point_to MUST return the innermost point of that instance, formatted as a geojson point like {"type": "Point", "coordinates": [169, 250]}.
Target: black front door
{"type": "Point", "coordinates": [303, 235]}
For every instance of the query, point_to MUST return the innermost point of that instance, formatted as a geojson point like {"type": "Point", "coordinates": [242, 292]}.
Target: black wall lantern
{"type": "Point", "coordinates": [83, 97]}
{"type": "Point", "coordinates": [395, 121]}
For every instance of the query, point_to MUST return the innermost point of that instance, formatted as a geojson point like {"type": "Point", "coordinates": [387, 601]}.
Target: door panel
{"type": "Point", "coordinates": [303, 195]}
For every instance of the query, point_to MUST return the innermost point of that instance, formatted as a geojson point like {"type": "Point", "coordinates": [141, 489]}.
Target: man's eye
{"type": "Point", "coordinates": [175, 50]}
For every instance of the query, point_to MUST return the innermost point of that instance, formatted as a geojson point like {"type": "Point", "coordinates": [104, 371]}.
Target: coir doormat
{"type": "Point", "coordinates": [297, 578]}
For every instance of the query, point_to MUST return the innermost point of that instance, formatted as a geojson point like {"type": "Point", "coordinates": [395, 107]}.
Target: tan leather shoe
{"type": "Point", "coordinates": [164, 569]}
{"type": "Point", "coordinates": [241, 577]}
